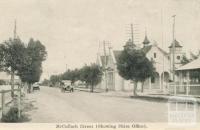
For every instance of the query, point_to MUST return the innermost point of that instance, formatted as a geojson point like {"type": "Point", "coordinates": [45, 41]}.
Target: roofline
{"type": "Point", "coordinates": [112, 55]}
{"type": "Point", "coordinates": [188, 69]}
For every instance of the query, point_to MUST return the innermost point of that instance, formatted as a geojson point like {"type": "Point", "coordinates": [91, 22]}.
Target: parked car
{"type": "Point", "coordinates": [36, 86]}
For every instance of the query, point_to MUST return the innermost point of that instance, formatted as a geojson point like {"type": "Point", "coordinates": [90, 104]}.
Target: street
{"type": "Point", "coordinates": [49, 105]}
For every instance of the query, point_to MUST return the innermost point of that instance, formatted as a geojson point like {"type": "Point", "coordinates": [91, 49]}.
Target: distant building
{"type": "Point", "coordinates": [6, 77]}
{"type": "Point", "coordinates": [162, 61]}
{"type": "Point", "coordinates": [188, 81]}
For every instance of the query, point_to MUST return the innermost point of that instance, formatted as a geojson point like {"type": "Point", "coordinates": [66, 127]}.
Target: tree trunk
{"type": "Point", "coordinates": [29, 87]}
{"type": "Point", "coordinates": [92, 88]}
{"type": "Point", "coordinates": [142, 87]}
{"type": "Point", "coordinates": [12, 83]}
{"type": "Point", "coordinates": [135, 88]}
{"type": "Point", "coordinates": [86, 86]}
{"type": "Point", "coordinates": [25, 87]}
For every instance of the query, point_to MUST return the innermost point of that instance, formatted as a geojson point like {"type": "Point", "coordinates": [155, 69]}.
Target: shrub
{"type": "Point", "coordinates": [2, 82]}
{"type": "Point", "coordinates": [11, 116]}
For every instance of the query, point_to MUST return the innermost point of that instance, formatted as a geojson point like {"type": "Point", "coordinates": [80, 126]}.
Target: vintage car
{"type": "Point", "coordinates": [66, 86]}
{"type": "Point", "coordinates": [36, 86]}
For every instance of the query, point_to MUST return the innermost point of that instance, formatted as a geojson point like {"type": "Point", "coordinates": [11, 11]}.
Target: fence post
{"type": "Point", "coordinates": [2, 102]}
{"type": "Point", "coordinates": [19, 102]}
{"type": "Point", "coordinates": [187, 89]}
{"type": "Point", "coordinates": [174, 89]}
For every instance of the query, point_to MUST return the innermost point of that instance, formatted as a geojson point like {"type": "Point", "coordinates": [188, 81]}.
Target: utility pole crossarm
{"type": "Point", "coordinates": [132, 38]}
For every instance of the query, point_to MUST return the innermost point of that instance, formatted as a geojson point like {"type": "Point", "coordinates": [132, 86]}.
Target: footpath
{"type": "Point", "coordinates": [146, 95]}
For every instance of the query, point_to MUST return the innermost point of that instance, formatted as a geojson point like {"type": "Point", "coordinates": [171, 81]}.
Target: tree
{"type": "Point", "coordinates": [45, 82]}
{"type": "Point", "coordinates": [92, 75]}
{"type": "Point", "coordinates": [2, 82]}
{"type": "Point", "coordinates": [54, 79]}
{"type": "Point", "coordinates": [194, 56]}
{"type": "Point", "coordinates": [72, 75]}
{"type": "Point", "coordinates": [2, 47]}
{"type": "Point", "coordinates": [26, 62]}
{"type": "Point", "coordinates": [31, 69]}
{"type": "Point", "coordinates": [184, 60]}
{"type": "Point", "coordinates": [133, 65]}
{"type": "Point", "coordinates": [12, 55]}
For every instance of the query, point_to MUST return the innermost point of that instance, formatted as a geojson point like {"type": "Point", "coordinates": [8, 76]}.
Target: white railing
{"type": "Point", "coordinates": [185, 88]}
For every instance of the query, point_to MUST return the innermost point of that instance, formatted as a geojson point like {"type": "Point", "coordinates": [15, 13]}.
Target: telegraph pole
{"type": "Point", "coordinates": [173, 46]}
{"type": "Point", "coordinates": [163, 66]}
{"type": "Point", "coordinates": [133, 33]}
{"type": "Point", "coordinates": [132, 38]}
{"type": "Point", "coordinates": [15, 30]}
{"type": "Point", "coordinates": [105, 65]}
{"type": "Point", "coordinates": [12, 71]}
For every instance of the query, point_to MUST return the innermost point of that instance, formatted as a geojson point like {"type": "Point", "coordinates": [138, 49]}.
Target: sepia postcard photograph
{"type": "Point", "coordinates": [99, 64]}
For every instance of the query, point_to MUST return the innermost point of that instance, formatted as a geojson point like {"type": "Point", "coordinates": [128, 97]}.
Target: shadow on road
{"type": "Point", "coordinates": [150, 99]}
{"type": "Point", "coordinates": [142, 98]}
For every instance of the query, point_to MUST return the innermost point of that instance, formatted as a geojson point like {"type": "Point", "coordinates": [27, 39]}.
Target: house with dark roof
{"type": "Point", "coordinates": [162, 61]}
{"type": "Point", "coordinates": [188, 81]}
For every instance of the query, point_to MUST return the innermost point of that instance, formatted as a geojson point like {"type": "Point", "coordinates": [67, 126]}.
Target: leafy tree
{"type": "Point", "coordinates": [2, 82]}
{"type": "Point", "coordinates": [45, 82]}
{"type": "Point", "coordinates": [194, 56]}
{"type": "Point", "coordinates": [31, 69]}
{"type": "Point", "coordinates": [2, 47]}
{"type": "Point", "coordinates": [184, 60]}
{"type": "Point", "coordinates": [92, 75]}
{"type": "Point", "coordinates": [26, 62]}
{"type": "Point", "coordinates": [55, 79]}
{"type": "Point", "coordinates": [12, 55]}
{"type": "Point", "coordinates": [133, 65]}
{"type": "Point", "coordinates": [72, 75]}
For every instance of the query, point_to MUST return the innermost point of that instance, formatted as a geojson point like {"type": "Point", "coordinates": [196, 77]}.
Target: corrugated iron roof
{"type": "Point", "coordinates": [195, 64]}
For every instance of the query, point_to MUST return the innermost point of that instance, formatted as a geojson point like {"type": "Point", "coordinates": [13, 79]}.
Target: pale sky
{"type": "Point", "coordinates": [72, 29]}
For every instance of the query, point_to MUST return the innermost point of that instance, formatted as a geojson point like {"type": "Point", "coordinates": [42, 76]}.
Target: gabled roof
{"type": "Point", "coordinates": [195, 64]}
{"type": "Point", "coordinates": [177, 44]}
{"type": "Point", "coordinates": [146, 49]}
{"type": "Point", "coordinates": [104, 59]}
{"type": "Point", "coordinates": [163, 51]}
{"type": "Point", "coordinates": [117, 54]}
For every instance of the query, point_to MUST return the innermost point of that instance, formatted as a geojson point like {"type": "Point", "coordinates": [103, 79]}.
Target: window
{"type": "Point", "coordinates": [178, 57]}
{"type": "Point", "coordinates": [154, 55]}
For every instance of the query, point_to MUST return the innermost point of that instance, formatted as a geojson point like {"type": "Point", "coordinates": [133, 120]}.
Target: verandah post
{"type": "Point", "coordinates": [19, 101]}
{"type": "Point", "coordinates": [2, 102]}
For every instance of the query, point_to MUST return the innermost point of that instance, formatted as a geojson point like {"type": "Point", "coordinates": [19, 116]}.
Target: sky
{"type": "Point", "coordinates": [73, 30]}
